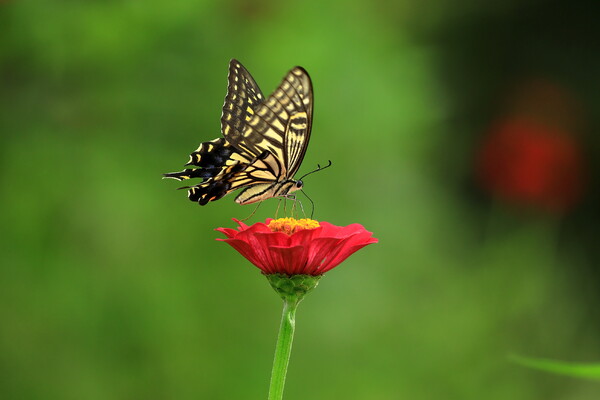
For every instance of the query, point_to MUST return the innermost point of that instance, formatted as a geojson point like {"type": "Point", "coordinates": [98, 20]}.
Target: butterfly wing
{"type": "Point", "coordinates": [281, 124]}
{"type": "Point", "coordinates": [243, 96]}
{"type": "Point", "coordinates": [217, 162]}
{"type": "Point", "coordinates": [210, 158]}
{"type": "Point", "coordinates": [256, 173]}
{"type": "Point", "coordinates": [224, 169]}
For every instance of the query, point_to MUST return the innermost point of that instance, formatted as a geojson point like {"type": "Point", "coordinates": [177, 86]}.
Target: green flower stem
{"type": "Point", "coordinates": [283, 349]}
{"type": "Point", "coordinates": [292, 289]}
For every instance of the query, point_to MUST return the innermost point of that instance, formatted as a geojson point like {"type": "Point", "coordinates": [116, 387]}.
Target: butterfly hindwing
{"type": "Point", "coordinates": [210, 158]}
{"type": "Point", "coordinates": [215, 187]}
{"type": "Point", "coordinates": [235, 176]}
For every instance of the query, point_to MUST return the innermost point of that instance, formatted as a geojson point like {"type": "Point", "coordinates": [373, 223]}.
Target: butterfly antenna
{"type": "Point", "coordinates": [253, 212]}
{"type": "Point", "coordinates": [319, 168]}
{"type": "Point", "coordinates": [312, 204]}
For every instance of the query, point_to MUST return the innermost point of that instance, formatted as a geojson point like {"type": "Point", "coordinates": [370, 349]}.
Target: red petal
{"type": "Point", "coordinates": [304, 236]}
{"type": "Point", "coordinates": [342, 231]}
{"type": "Point", "coordinates": [288, 260]}
{"type": "Point", "coordinates": [245, 250]}
{"type": "Point", "coordinates": [229, 232]}
{"type": "Point", "coordinates": [267, 240]}
{"type": "Point", "coordinates": [346, 248]}
{"type": "Point", "coordinates": [318, 250]}
{"type": "Point", "coordinates": [256, 228]}
{"type": "Point", "coordinates": [241, 225]}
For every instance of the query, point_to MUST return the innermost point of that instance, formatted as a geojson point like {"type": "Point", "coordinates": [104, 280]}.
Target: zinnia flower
{"type": "Point", "coordinates": [296, 246]}
{"type": "Point", "coordinates": [294, 254]}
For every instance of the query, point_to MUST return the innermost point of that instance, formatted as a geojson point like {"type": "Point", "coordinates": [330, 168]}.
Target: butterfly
{"type": "Point", "coordinates": [263, 143]}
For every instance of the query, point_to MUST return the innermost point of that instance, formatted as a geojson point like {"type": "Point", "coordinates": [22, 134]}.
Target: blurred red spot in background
{"type": "Point", "coordinates": [532, 158]}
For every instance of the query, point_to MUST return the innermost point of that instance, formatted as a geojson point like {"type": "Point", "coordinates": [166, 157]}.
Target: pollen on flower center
{"type": "Point", "coordinates": [292, 225]}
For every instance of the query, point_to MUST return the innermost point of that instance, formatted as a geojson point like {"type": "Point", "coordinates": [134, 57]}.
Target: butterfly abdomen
{"type": "Point", "coordinates": [265, 191]}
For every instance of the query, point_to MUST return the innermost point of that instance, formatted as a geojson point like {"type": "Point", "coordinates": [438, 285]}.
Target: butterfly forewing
{"type": "Point", "coordinates": [281, 124]}
{"type": "Point", "coordinates": [243, 96]}
{"type": "Point", "coordinates": [300, 122]}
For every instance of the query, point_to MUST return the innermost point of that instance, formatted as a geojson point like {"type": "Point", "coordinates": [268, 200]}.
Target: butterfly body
{"type": "Point", "coordinates": [263, 143]}
{"type": "Point", "coordinates": [265, 191]}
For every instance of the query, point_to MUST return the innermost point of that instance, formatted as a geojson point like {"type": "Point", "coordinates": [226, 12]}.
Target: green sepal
{"type": "Point", "coordinates": [293, 288]}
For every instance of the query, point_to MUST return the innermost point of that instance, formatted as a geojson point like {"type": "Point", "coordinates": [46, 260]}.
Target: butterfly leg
{"type": "Point", "coordinates": [293, 211]}
{"type": "Point", "coordinates": [292, 198]}
{"type": "Point", "coordinates": [284, 206]}
{"type": "Point", "coordinates": [299, 203]}
{"type": "Point", "coordinates": [277, 210]}
{"type": "Point", "coordinates": [253, 212]}
{"type": "Point", "coordinates": [302, 208]}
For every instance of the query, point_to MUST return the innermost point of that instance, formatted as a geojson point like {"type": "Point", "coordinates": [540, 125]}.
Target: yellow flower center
{"type": "Point", "coordinates": [292, 225]}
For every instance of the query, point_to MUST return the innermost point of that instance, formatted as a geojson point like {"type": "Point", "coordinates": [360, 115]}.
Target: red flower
{"type": "Point", "coordinates": [293, 247]}
{"type": "Point", "coordinates": [526, 162]}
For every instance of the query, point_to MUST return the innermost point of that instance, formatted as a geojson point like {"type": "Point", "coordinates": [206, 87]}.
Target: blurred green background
{"type": "Point", "coordinates": [113, 287]}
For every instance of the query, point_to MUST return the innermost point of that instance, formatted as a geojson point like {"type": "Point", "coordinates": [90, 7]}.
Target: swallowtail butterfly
{"type": "Point", "coordinates": [263, 143]}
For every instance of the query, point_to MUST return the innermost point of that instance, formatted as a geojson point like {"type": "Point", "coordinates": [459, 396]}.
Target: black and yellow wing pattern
{"type": "Point", "coordinates": [263, 143]}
